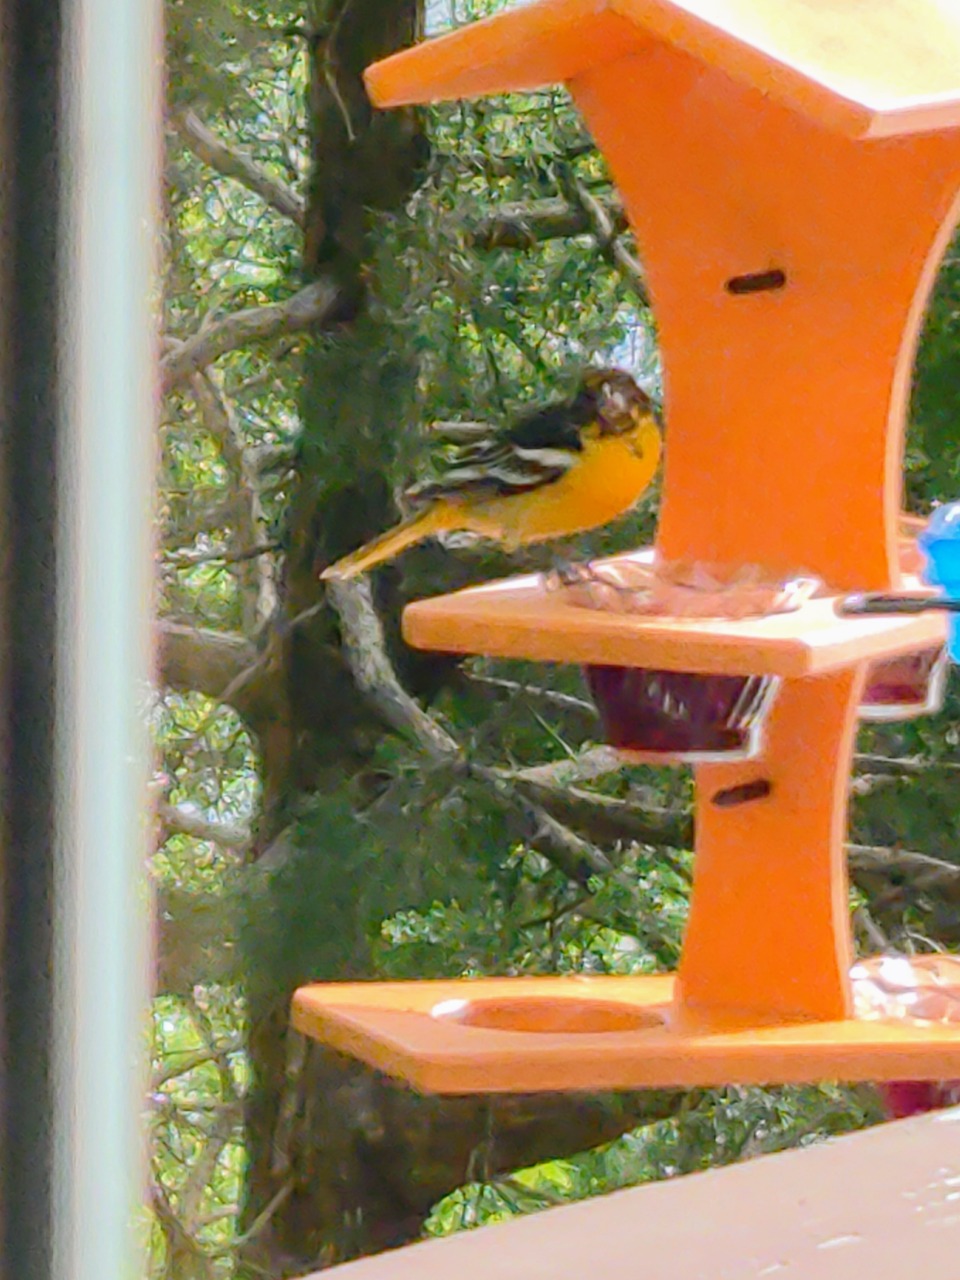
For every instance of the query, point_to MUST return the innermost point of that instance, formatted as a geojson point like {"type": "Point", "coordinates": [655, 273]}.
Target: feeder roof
{"type": "Point", "coordinates": [865, 68]}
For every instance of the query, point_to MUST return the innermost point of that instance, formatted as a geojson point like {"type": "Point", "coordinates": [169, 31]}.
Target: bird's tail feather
{"type": "Point", "coordinates": [438, 518]}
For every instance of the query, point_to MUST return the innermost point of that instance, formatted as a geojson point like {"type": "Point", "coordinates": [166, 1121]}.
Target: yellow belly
{"type": "Point", "coordinates": [607, 479]}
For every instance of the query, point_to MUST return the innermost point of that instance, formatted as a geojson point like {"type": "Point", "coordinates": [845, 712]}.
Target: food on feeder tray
{"type": "Point", "coordinates": [925, 989]}
{"type": "Point", "coordinates": [683, 589]}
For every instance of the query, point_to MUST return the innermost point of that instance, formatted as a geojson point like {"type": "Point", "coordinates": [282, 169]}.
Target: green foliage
{"type": "Point", "coordinates": [933, 454]}
{"type": "Point", "coordinates": [310, 918]}
{"type": "Point", "coordinates": [713, 1128]}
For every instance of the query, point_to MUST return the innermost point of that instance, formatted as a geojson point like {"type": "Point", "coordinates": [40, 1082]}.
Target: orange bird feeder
{"type": "Point", "coordinates": [791, 169]}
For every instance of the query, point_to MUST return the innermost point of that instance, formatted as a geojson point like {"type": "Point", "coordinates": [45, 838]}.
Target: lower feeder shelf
{"type": "Point", "coordinates": [525, 1035]}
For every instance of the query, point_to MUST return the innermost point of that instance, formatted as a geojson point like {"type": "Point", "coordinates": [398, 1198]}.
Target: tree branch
{"type": "Point", "coordinates": [179, 1064]}
{"type": "Point", "coordinates": [184, 1257]}
{"type": "Point", "coordinates": [257, 581]}
{"type": "Point", "coordinates": [221, 555]}
{"type": "Point", "coordinates": [904, 869]}
{"type": "Point", "coordinates": [584, 766]}
{"type": "Point", "coordinates": [312, 306]}
{"type": "Point", "coordinates": [236, 164]}
{"type": "Point", "coordinates": [364, 645]}
{"type": "Point", "coordinates": [564, 701]}
{"type": "Point", "coordinates": [177, 821]}
{"type": "Point", "coordinates": [607, 821]}
{"type": "Point", "coordinates": [898, 766]}
{"type": "Point", "coordinates": [521, 226]}
{"type": "Point", "coordinates": [609, 242]}
{"type": "Point", "coordinates": [202, 660]}
{"type": "Point", "coordinates": [365, 648]}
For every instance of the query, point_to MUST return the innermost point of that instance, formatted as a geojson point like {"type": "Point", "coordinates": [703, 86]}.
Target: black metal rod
{"type": "Point", "coordinates": [881, 602]}
{"type": "Point", "coordinates": [30, 343]}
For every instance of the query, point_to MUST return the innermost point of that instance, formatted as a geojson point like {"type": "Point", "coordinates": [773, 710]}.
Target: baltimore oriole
{"type": "Point", "coordinates": [570, 466]}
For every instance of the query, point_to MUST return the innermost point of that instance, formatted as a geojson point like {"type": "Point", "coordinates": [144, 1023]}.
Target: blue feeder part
{"type": "Point", "coordinates": [940, 544]}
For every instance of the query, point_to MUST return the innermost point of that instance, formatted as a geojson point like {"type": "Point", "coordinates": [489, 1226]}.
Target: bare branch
{"type": "Point", "coordinates": [867, 929]}
{"type": "Point", "coordinates": [609, 242]}
{"type": "Point", "coordinates": [177, 821]}
{"type": "Point", "coordinates": [313, 305]}
{"type": "Point", "coordinates": [521, 226]}
{"type": "Point", "coordinates": [231, 162]}
{"type": "Point", "coordinates": [262, 1220]}
{"type": "Point", "coordinates": [221, 555]}
{"type": "Point", "coordinates": [513, 164]}
{"type": "Point", "coordinates": [258, 582]}
{"type": "Point", "coordinates": [199, 659]}
{"type": "Point", "coordinates": [365, 648]}
{"type": "Point", "coordinates": [179, 1064]}
{"type": "Point", "coordinates": [184, 1257]}
{"type": "Point", "coordinates": [577, 858]}
{"type": "Point", "coordinates": [565, 701]}
{"type": "Point", "coordinates": [592, 763]}
{"type": "Point", "coordinates": [904, 868]}
{"type": "Point", "coordinates": [606, 820]}
{"type": "Point", "coordinates": [202, 1171]}
{"type": "Point", "coordinates": [898, 766]}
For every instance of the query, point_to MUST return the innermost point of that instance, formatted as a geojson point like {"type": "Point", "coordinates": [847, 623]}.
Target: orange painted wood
{"type": "Point", "coordinates": [520, 618]}
{"type": "Point", "coordinates": [768, 930]}
{"type": "Point", "coordinates": [879, 1205]}
{"type": "Point", "coordinates": [890, 67]}
{"type": "Point", "coordinates": [529, 47]}
{"type": "Point", "coordinates": [391, 1027]}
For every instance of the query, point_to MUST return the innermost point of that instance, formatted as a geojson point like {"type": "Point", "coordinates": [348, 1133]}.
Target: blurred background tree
{"type": "Point", "coordinates": [335, 280]}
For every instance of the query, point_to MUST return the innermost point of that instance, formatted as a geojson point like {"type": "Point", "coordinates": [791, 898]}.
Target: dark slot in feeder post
{"type": "Point", "coordinates": [730, 797]}
{"type": "Point", "coordinates": [756, 282]}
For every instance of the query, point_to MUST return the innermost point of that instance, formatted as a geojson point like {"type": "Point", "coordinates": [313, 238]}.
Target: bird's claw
{"type": "Point", "coordinates": [571, 573]}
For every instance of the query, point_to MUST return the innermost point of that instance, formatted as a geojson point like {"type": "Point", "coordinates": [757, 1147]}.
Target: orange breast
{"type": "Point", "coordinates": [608, 479]}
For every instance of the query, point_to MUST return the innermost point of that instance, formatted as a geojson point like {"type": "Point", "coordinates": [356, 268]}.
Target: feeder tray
{"type": "Point", "coordinates": [788, 261]}
{"type": "Point", "coordinates": [522, 617]}
{"type": "Point", "coordinates": [490, 1035]}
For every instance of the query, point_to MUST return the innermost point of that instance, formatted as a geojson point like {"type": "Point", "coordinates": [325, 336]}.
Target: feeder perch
{"type": "Point", "coordinates": [791, 169]}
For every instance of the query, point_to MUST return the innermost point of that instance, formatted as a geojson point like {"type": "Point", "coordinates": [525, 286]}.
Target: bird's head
{"type": "Point", "coordinates": [620, 404]}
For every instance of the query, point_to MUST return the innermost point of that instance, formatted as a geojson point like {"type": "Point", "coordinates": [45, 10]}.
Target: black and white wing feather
{"type": "Point", "coordinates": [534, 452]}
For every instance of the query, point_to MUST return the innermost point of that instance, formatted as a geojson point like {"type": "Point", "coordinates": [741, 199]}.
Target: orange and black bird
{"type": "Point", "coordinates": [570, 466]}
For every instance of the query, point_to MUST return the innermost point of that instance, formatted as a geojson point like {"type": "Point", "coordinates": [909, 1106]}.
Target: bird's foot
{"type": "Point", "coordinates": [570, 573]}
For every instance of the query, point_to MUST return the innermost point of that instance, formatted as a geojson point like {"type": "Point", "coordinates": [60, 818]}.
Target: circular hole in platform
{"type": "Point", "coordinates": [561, 1016]}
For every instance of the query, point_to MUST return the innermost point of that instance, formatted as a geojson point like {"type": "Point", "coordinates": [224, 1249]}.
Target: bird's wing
{"type": "Point", "coordinates": [536, 450]}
